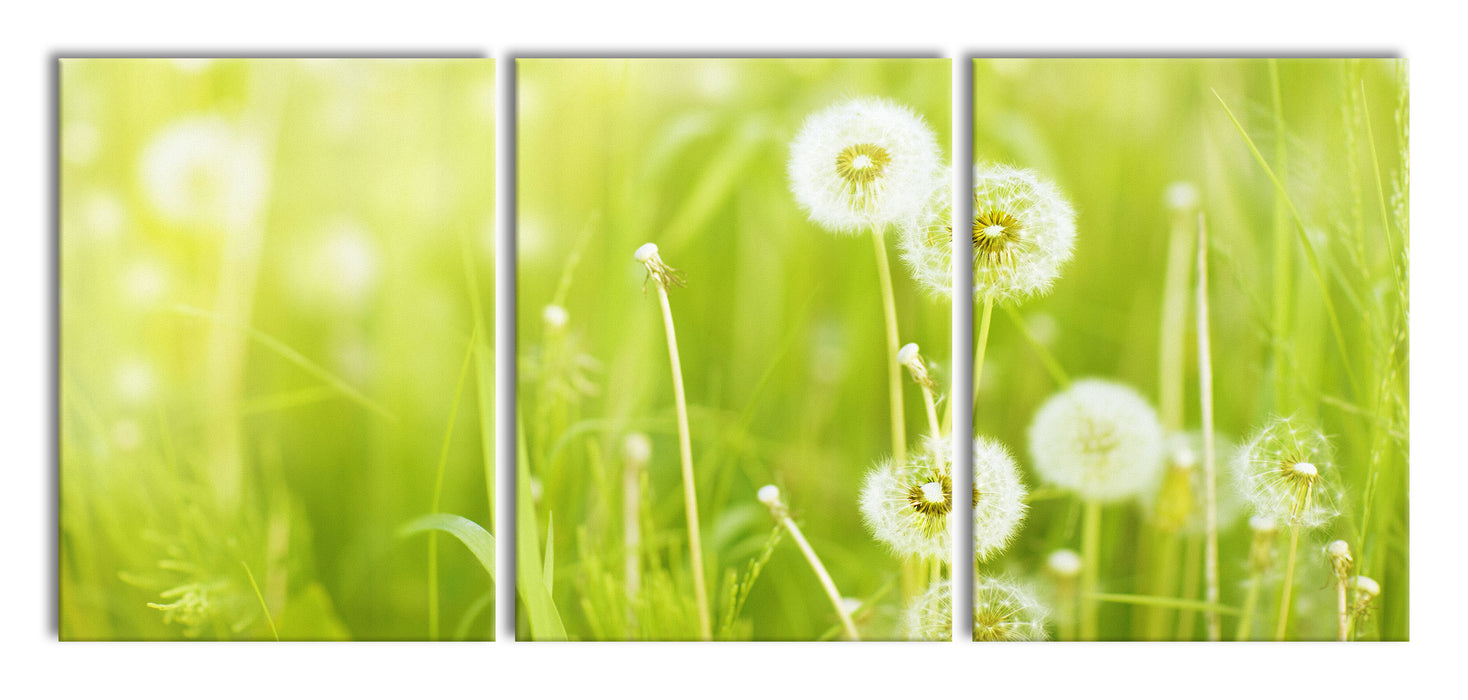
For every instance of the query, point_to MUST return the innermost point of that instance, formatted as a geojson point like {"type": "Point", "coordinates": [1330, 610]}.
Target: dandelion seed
{"type": "Point", "coordinates": [1097, 438]}
{"type": "Point", "coordinates": [202, 171]}
{"type": "Point", "coordinates": [909, 506]}
{"type": "Point", "coordinates": [864, 163]}
{"type": "Point", "coordinates": [999, 498]}
{"type": "Point", "coordinates": [1023, 232]}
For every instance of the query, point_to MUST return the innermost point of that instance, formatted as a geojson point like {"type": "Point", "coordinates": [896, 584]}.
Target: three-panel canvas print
{"type": "Point", "coordinates": [733, 407]}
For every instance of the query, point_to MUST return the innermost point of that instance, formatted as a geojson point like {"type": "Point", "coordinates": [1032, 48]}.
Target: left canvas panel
{"type": "Point", "coordinates": [275, 381]}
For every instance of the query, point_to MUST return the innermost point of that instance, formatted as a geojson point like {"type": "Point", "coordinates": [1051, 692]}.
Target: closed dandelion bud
{"type": "Point", "coordinates": [1004, 611]}
{"type": "Point", "coordinates": [667, 276]}
{"type": "Point", "coordinates": [1097, 438]}
{"type": "Point", "coordinates": [1063, 564]}
{"type": "Point", "coordinates": [999, 498]}
{"type": "Point", "coordinates": [1180, 506]}
{"type": "Point", "coordinates": [1261, 549]}
{"type": "Point", "coordinates": [1339, 554]}
{"type": "Point", "coordinates": [863, 163]}
{"type": "Point", "coordinates": [910, 506]}
{"type": "Point", "coordinates": [1023, 232]}
{"type": "Point", "coordinates": [637, 449]}
{"type": "Point", "coordinates": [555, 317]}
{"type": "Point", "coordinates": [1181, 197]}
{"type": "Point", "coordinates": [1285, 472]}
{"type": "Point", "coordinates": [909, 357]}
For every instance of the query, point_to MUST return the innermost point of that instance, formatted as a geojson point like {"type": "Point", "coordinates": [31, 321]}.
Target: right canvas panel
{"type": "Point", "coordinates": [1191, 361]}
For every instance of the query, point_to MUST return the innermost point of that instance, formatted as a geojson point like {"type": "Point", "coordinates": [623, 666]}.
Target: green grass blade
{"type": "Point", "coordinates": [476, 538]}
{"type": "Point", "coordinates": [294, 357]}
{"type": "Point", "coordinates": [544, 620]}
{"type": "Point", "coordinates": [260, 597]}
{"type": "Point", "coordinates": [550, 553]}
{"type": "Point", "coordinates": [1309, 248]}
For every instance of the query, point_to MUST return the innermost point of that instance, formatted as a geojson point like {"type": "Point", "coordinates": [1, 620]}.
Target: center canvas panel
{"type": "Point", "coordinates": [733, 362]}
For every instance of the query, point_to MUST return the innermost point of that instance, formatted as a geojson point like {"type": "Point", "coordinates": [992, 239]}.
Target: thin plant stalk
{"type": "Point", "coordinates": [1210, 468]}
{"type": "Point", "coordinates": [894, 372]}
{"type": "Point", "coordinates": [1189, 590]}
{"type": "Point", "coordinates": [822, 574]}
{"type": "Point", "coordinates": [1090, 576]}
{"type": "Point", "coordinates": [685, 450]}
{"type": "Point", "coordinates": [1251, 601]}
{"type": "Point", "coordinates": [981, 345]}
{"type": "Point", "coordinates": [932, 405]}
{"type": "Point", "coordinates": [1343, 621]}
{"type": "Point", "coordinates": [1066, 593]}
{"type": "Point", "coordinates": [1289, 582]}
{"type": "Point", "coordinates": [1164, 584]}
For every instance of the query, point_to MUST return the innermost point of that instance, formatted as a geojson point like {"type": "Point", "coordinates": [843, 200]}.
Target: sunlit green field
{"type": "Point", "coordinates": [780, 336]}
{"type": "Point", "coordinates": [272, 273]}
{"type": "Point", "coordinates": [1300, 170]}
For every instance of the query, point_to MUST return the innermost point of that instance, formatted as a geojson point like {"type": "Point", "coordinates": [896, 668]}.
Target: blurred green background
{"type": "Point", "coordinates": [1114, 134]}
{"type": "Point", "coordinates": [780, 334]}
{"type": "Point", "coordinates": [267, 293]}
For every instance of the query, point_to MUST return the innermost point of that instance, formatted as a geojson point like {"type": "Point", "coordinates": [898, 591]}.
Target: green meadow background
{"type": "Point", "coordinates": [250, 410]}
{"type": "Point", "coordinates": [1114, 134]}
{"type": "Point", "coordinates": [779, 329]}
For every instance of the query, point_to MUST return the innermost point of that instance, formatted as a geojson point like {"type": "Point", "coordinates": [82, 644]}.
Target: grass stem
{"type": "Point", "coordinates": [1210, 467]}
{"type": "Point", "coordinates": [981, 345]}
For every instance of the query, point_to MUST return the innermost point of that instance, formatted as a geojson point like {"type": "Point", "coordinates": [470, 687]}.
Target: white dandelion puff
{"type": "Point", "coordinates": [1023, 232]}
{"type": "Point", "coordinates": [1097, 438]}
{"type": "Point", "coordinates": [1285, 471]}
{"type": "Point", "coordinates": [929, 617]}
{"type": "Point", "coordinates": [1063, 563]}
{"type": "Point", "coordinates": [909, 506]}
{"type": "Point", "coordinates": [1005, 611]}
{"type": "Point", "coordinates": [999, 498]}
{"type": "Point", "coordinates": [864, 163]}
{"type": "Point", "coordinates": [1182, 196]}
{"type": "Point", "coordinates": [202, 171]}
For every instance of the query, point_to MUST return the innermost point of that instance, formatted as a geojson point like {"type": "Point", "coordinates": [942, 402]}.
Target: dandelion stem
{"type": "Point", "coordinates": [822, 574]}
{"type": "Point", "coordinates": [1251, 601]}
{"type": "Point", "coordinates": [1343, 623]}
{"type": "Point", "coordinates": [1090, 561]}
{"type": "Point", "coordinates": [1164, 583]}
{"type": "Point", "coordinates": [1067, 609]}
{"type": "Point", "coordinates": [1210, 470]}
{"type": "Point", "coordinates": [685, 449]}
{"type": "Point", "coordinates": [932, 406]}
{"type": "Point", "coordinates": [632, 534]}
{"type": "Point", "coordinates": [894, 372]}
{"type": "Point", "coordinates": [1289, 582]}
{"type": "Point", "coordinates": [981, 345]}
{"type": "Point", "coordinates": [1189, 589]}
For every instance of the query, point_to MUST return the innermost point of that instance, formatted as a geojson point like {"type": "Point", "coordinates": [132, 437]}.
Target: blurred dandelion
{"type": "Point", "coordinates": [1099, 439]}
{"type": "Point", "coordinates": [205, 172]}
{"type": "Point", "coordinates": [929, 617]}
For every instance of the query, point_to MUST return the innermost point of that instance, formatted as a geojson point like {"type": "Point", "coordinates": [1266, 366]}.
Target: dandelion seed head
{"type": "Point", "coordinates": [1005, 611]}
{"type": "Point", "coordinates": [909, 506]}
{"type": "Point", "coordinates": [1099, 439]}
{"type": "Point", "coordinates": [863, 163]}
{"type": "Point", "coordinates": [1064, 563]}
{"type": "Point", "coordinates": [929, 617]}
{"type": "Point", "coordinates": [1285, 472]}
{"type": "Point", "coordinates": [645, 252]}
{"type": "Point", "coordinates": [1023, 232]}
{"type": "Point", "coordinates": [999, 498]}
{"type": "Point", "coordinates": [769, 494]}
{"type": "Point", "coordinates": [204, 172]}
